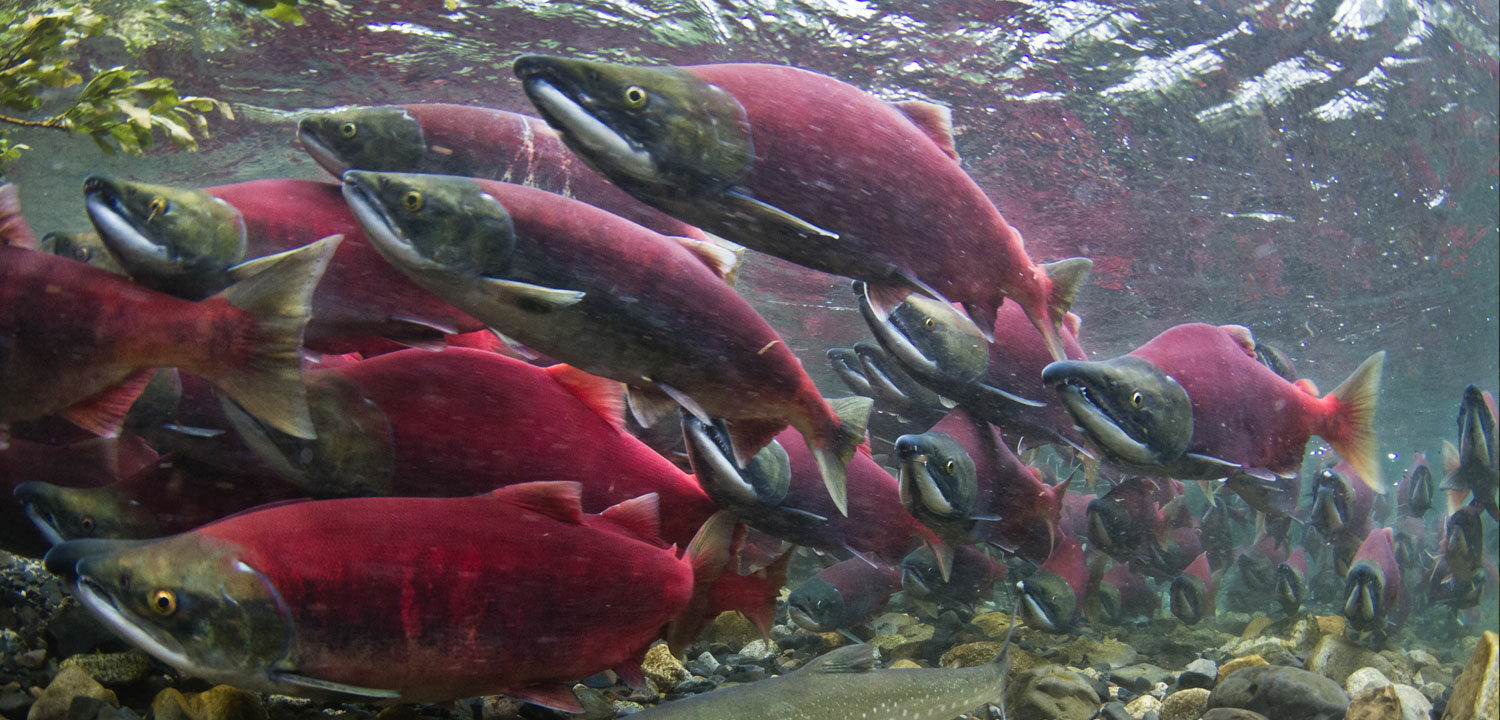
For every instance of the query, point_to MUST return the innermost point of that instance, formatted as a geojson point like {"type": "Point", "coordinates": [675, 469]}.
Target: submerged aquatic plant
{"type": "Point", "coordinates": [119, 108]}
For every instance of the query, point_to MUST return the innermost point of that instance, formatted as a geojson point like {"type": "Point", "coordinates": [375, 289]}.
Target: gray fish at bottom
{"type": "Point", "coordinates": [842, 685]}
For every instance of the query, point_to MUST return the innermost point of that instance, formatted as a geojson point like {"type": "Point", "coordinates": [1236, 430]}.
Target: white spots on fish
{"type": "Point", "coordinates": [528, 141]}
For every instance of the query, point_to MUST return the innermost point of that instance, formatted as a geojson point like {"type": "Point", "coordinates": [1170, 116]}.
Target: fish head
{"type": "Point", "coordinates": [890, 383]}
{"type": "Point", "coordinates": [928, 337]}
{"type": "Point", "coordinates": [1048, 601]}
{"type": "Point", "coordinates": [1464, 538]}
{"type": "Point", "coordinates": [657, 131]}
{"type": "Point", "coordinates": [817, 605]}
{"type": "Point", "coordinates": [938, 478]}
{"type": "Point", "coordinates": [1135, 413]}
{"type": "Point", "coordinates": [62, 513]}
{"type": "Point", "coordinates": [1189, 598]}
{"type": "Point", "coordinates": [369, 137]}
{"type": "Point", "coordinates": [1256, 571]}
{"type": "Point", "coordinates": [1106, 604]}
{"type": "Point", "coordinates": [846, 365]}
{"type": "Point", "coordinates": [1273, 358]}
{"type": "Point", "coordinates": [191, 600]}
{"type": "Point", "coordinates": [1109, 525]}
{"type": "Point", "coordinates": [438, 225]}
{"type": "Point", "coordinates": [1364, 596]}
{"type": "Point", "coordinates": [85, 247]}
{"type": "Point", "coordinates": [165, 236]}
{"type": "Point", "coordinates": [353, 453]}
{"type": "Point", "coordinates": [921, 577]}
{"type": "Point", "coordinates": [1420, 489]}
{"type": "Point", "coordinates": [761, 485]}
{"type": "Point", "coordinates": [1290, 587]}
{"type": "Point", "coordinates": [1333, 495]}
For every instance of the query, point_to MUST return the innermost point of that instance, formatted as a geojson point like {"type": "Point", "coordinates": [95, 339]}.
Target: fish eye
{"type": "Point", "coordinates": [1136, 399]}
{"type": "Point", "coordinates": [158, 206]}
{"type": "Point", "coordinates": [635, 96]}
{"type": "Point", "coordinates": [163, 602]}
{"type": "Point", "coordinates": [83, 254]}
{"type": "Point", "coordinates": [929, 323]}
{"type": "Point", "coordinates": [86, 523]}
{"type": "Point", "coordinates": [412, 200]}
{"type": "Point", "coordinates": [348, 129]}
{"type": "Point", "coordinates": [950, 466]}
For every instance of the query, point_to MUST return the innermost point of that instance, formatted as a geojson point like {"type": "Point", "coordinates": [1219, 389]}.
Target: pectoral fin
{"type": "Point", "coordinates": [329, 686]}
{"type": "Point", "coordinates": [775, 216]}
{"type": "Point", "coordinates": [1009, 397]}
{"type": "Point", "coordinates": [533, 297]}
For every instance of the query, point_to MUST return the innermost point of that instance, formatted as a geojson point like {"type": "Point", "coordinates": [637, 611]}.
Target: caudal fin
{"type": "Point", "coordinates": [1352, 431]}
{"type": "Point", "coordinates": [833, 455]}
{"type": "Point", "coordinates": [1065, 277]}
{"type": "Point", "coordinates": [263, 370]}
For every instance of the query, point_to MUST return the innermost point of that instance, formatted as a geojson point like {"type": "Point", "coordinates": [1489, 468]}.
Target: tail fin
{"type": "Point", "coordinates": [264, 371]}
{"type": "Point", "coordinates": [1065, 277]}
{"type": "Point", "coordinates": [708, 553]}
{"type": "Point", "coordinates": [14, 230]}
{"type": "Point", "coordinates": [1354, 423]}
{"type": "Point", "coordinates": [832, 456]}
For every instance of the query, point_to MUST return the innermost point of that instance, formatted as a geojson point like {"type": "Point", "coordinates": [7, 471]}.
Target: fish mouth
{"type": "Point", "coordinates": [554, 97]}
{"type": "Point", "coordinates": [805, 620]}
{"type": "Point", "coordinates": [43, 520]}
{"type": "Point", "coordinates": [1288, 589]}
{"type": "Point", "coordinates": [1327, 514]}
{"type": "Point", "coordinates": [1095, 414]}
{"type": "Point", "coordinates": [1187, 599]}
{"type": "Point", "coordinates": [323, 155]}
{"type": "Point", "coordinates": [913, 584]}
{"type": "Point", "coordinates": [160, 645]}
{"type": "Point", "coordinates": [713, 464]}
{"type": "Point", "coordinates": [918, 489]}
{"type": "Point", "coordinates": [892, 339]}
{"type": "Point", "coordinates": [120, 231]}
{"type": "Point", "coordinates": [1035, 611]}
{"type": "Point", "coordinates": [380, 226]}
{"type": "Point", "coordinates": [1362, 597]}
{"type": "Point", "coordinates": [843, 362]}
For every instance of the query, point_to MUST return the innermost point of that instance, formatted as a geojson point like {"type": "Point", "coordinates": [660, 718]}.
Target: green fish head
{"type": "Point", "coordinates": [439, 224]}
{"type": "Point", "coordinates": [1290, 587]}
{"type": "Point", "coordinates": [1107, 606]}
{"type": "Point", "coordinates": [1332, 495]}
{"type": "Point", "coordinates": [62, 513]}
{"type": "Point", "coordinates": [892, 385]}
{"type": "Point", "coordinates": [1188, 598]}
{"type": "Point", "coordinates": [1047, 601]}
{"type": "Point", "coordinates": [657, 131]}
{"type": "Point", "coordinates": [192, 601]}
{"type": "Point", "coordinates": [370, 137]}
{"type": "Point", "coordinates": [938, 478]}
{"type": "Point", "coordinates": [761, 485]}
{"type": "Point", "coordinates": [1364, 596]}
{"type": "Point", "coordinates": [1109, 524]}
{"type": "Point", "coordinates": [1137, 415]}
{"type": "Point", "coordinates": [817, 605]}
{"type": "Point", "coordinates": [921, 577]}
{"type": "Point", "coordinates": [353, 453]}
{"type": "Point", "coordinates": [173, 239]}
{"type": "Point", "coordinates": [85, 247]}
{"type": "Point", "coordinates": [930, 338]}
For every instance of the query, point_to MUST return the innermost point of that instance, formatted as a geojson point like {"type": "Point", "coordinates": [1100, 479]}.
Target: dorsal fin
{"type": "Point", "coordinates": [1306, 386]}
{"type": "Point", "coordinates": [1241, 335]}
{"type": "Point", "coordinates": [1450, 457]}
{"type": "Point", "coordinates": [934, 120]}
{"type": "Point", "coordinates": [103, 413]}
{"type": "Point", "coordinates": [602, 395]}
{"type": "Point", "coordinates": [723, 261]}
{"type": "Point", "coordinates": [556, 499]}
{"type": "Point", "coordinates": [851, 659]}
{"type": "Point", "coordinates": [639, 516]}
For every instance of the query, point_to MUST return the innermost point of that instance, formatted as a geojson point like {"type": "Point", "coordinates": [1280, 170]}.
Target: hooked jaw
{"type": "Point", "coordinates": [1137, 415]}
{"type": "Point", "coordinates": [567, 108]}
{"type": "Point", "coordinates": [1289, 588]}
{"type": "Point", "coordinates": [1047, 601]}
{"type": "Point", "coordinates": [1364, 590]}
{"type": "Point", "coordinates": [1188, 596]}
{"type": "Point", "coordinates": [101, 200]}
{"type": "Point", "coordinates": [323, 155]}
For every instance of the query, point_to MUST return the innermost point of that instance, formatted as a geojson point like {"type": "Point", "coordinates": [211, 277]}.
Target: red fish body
{"type": "Point", "coordinates": [1375, 596]}
{"type": "Point", "coordinates": [1028, 511]}
{"type": "Point", "coordinates": [1017, 356]}
{"type": "Point", "coordinates": [1137, 598]}
{"type": "Point", "coordinates": [842, 595]}
{"type": "Point", "coordinates": [1054, 597]}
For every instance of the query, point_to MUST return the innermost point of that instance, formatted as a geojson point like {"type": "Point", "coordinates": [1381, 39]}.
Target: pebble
{"type": "Point", "coordinates": [1140, 677]}
{"type": "Point", "coordinates": [662, 668]}
{"type": "Point", "coordinates": [1414, 704]}
{"type": "Point", "coordinates": [1375, 703]}
{"type": "Point", "coordinates": [1142, 705]}
{"type": "Point", "coordinates": [14, 698]}
{"type": "Point", "coordinates": [87, 708]}
{"type": "Point", "coordinates": [113, 668]}
{"type": "Point", "coordinates": [1114, 710]}
{"type": "Point", "coordinates": [1476, 692]}
{"type": "Point", "coordinates": [71, 682]}
{"type": "Point", "coordinates": [1051, 692]}
{"type": "Point", "coordinates": [1238, 663]}
{"type": "Point", "coordinates": [1255, 627]}
{"type": "Point", "coordinates": [756, 651]}
{"type": "Point", "coordinates": [1337, 658]}
{"type": "Point", "coordinates": [971, 654]}
{"type": "Point", "coordinates": [1364, 679]}
{"type": "Point", "coordinates": [729, 628]}
{"type": "Point", "coordinates": [1232, 714]}
{"type": "Point", "coordinates": [221, 702]}
{"type": "Point", "coordinates": [706, 664]}
{"type": "Point", "coordinates": [1200, 673]}
{"type": "Point", "coordinates": [904, 664]}
{"type": "Point", "coordinates": [1184, 704]}
{"type": "Point", "coordinates": [1287, 693]}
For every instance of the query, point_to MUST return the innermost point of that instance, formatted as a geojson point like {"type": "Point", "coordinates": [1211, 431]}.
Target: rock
{"type": "Point", "coordinates": [1422, 657]}
{"type": "Point", "coordinates": [14, 698]}
{"type": "Point", "coordinates": [1414, 704]}
{"type": "Point", "coordinates": [1051, 692]}
{"type": "Point", "coordinates": [1331, 624]}
{"type": "Point", "coordinates": [113, 668]}
{"type": "Point", "coordinates": [1476, 692]}
{"type": "Point", "coordinates": [971, 654]}
{"type": "Point", "coordinates": [1200, 673]}
{"type": "Point", "coordinates": [1184, 704]}
{"type": "Point", "coordinates": [1232, 714]}
{"type": "Point", "coordinates": [693, 686]}
{"type": "Point", "coordinates": [1286, 693]}
{"type": "Point", "coordinates": [1255, 627]}
{"type": "Point", "coordinates": [1138, 707]}
{"type": "Point", "coordinates": [1114, 710]}
{"type": "Point", "coordinates": [730, 628]}
{"type": "Point", "coordinates": [1364, 679]}
{"type": "Point", "coordinates": [1139, 677]}
{"type": "Point", "coordinates": [70, 682]}
{"type": "Point", "coordinates": [706, 664]}
{"type": "Point", "coordinates": [907, 642]}
{"type": "Point", "coordinates": [755, 651]}
{"type": "Point", "coordinates": [1239, 663]}
{"type": "Point", "coordinates": [1375, 703]}
{"type": "Point", "coordinates": [1303, 634]}
{"type": "Point", "coordinates": [87, 708]}
{"type": "Point", "coordinates": [220, 702]}
{"type": "Point", "coordinates": [662, 668]}
{"type": "Point", "coordinates": [1337, 658]}
{"type": "Point", "coordinates": [904, 664]}
{"type": "Point", "coordinates": [992, 624]}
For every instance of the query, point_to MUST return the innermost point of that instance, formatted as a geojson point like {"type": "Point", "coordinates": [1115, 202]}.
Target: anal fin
{"type": "Point", "coordinates": [329, 686]}
{"type": "Point", "coordinates": [103, 413]}
{"type": "Point", "coordinates": [557, 697]}
{"type": "Point", "coordinates": [774, 216]}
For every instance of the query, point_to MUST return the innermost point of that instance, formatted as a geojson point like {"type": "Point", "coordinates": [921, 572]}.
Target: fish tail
{"type": "Point", "coordinates": [1353, 427]}
{"type": "Point", "coordinates": [833, 451]}
{"type": "Point", "coordinates": [708, 553]}
{"type": "Point", "coordinates": [1064, 278]}
{"type": "Point", "coordinates": [263, 372]}
{"type": "Point", "coordinates": [14, 230]}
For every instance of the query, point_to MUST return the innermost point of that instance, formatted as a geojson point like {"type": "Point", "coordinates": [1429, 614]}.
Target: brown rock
{"type": "Point", "coordinates": [992, 624]}
{"type": "Point", "coordinates": [113, 668]}
{"type": "Point", "coordinates": [1184, 704]}
{"type": "Point", "coordinates": [1336, 658]}
{"type": "Point", "coordinates": [1477, 690]}
{"type": "Point", "coordinates": [1239, 663]}
{"type": "Point", "coordinates": [1232, 714]}
{"type": "Point", "coordinates": [971, 654]}
{"type": "Point", "coordinates": [730, 628]}
{"type": "Point", "coordinates": [220, 702]}
{"type": "Point", "coordinates": [70, 682]}
{"type": "Point", "coordinates": [1375, 704]}
{"type": "Point", "coordinates": [1332, 624]}
{"type": "Point", "coordinates": [1255, 627]}
{"type": "Point", "coordinates": [904, 664]}
{"type": "Point", "coordinates": [662, 669]}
